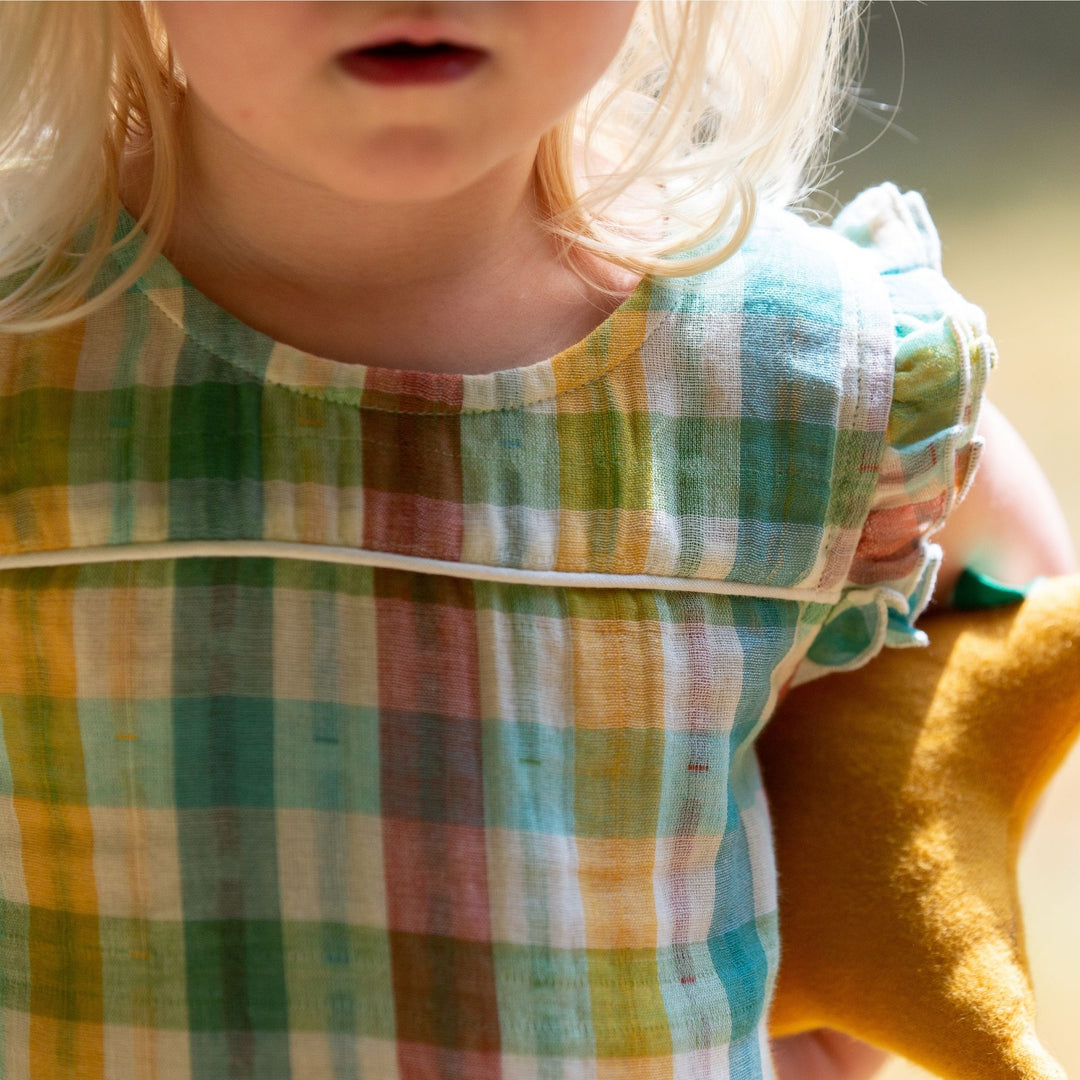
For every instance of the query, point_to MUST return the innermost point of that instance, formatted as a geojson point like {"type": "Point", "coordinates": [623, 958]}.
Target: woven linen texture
{"type": "Point", "coordinates": [272, 817]}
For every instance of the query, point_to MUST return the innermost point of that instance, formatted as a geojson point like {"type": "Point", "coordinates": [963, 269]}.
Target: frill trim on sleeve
{"type": "Point", "coordinates": [943, 357]}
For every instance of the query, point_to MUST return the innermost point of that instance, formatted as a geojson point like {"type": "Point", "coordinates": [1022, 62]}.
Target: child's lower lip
{"type": "Point", "coordinates": [388, 67]}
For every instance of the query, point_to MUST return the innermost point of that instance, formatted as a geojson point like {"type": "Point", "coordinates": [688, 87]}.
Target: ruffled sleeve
{"type": "Point", "coordinates": [942, 358]}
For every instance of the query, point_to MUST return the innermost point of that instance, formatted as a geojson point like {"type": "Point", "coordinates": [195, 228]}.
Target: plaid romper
{"type": "Point", "coordinates": [361, 724]}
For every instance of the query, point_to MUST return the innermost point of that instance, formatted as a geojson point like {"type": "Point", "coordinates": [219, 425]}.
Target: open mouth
{"type": "Point", "coordinates": [400, 62]}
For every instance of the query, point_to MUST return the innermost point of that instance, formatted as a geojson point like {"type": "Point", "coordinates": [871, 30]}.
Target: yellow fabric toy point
{"type": "Point", "coordinates": [900, 795]}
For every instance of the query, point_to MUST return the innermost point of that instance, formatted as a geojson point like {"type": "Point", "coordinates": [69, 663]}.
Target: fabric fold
{"type": "Point", "coordinates": [943, 356]}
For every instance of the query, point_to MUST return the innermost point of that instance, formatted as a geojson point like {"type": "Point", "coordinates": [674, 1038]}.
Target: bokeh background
{"type": "Point", "coordinates": [982, 100]}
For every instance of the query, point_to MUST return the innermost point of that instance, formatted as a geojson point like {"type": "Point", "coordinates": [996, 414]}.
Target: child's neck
{"type": "Point", "coordinates": [468, 283]}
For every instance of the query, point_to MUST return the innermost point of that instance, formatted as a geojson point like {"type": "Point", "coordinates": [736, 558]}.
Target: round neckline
{"type": "Point", "coordinates": [228, 338]}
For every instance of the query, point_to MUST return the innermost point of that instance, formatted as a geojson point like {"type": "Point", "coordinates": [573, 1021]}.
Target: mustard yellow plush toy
{"type": "Point", "coordinates": [900, 794]}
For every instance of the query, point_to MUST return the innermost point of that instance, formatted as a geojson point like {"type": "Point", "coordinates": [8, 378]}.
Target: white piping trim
{"type": "Point", "coordinates": [277, 549]}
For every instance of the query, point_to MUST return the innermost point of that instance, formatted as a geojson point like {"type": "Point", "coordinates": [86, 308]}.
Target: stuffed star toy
{"type": "Point", "coordinates": [900, 794]}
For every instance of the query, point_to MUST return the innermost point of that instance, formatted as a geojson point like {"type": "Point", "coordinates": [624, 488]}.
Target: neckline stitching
{"type": "Point", "coordinates": [339, 396]}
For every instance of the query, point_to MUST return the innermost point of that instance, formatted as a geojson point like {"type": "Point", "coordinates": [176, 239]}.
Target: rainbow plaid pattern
{"type": "Point", "coordinates": [364, 724]}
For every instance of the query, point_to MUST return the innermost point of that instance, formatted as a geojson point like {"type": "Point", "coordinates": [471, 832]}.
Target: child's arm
{"type": "Point", "coordinates": [1010, 526]}
{"type": "Point", "coordinates": [825, 1055]}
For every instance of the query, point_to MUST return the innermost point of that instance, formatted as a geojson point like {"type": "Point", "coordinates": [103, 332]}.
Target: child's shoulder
{"type": "Point", "coordinates": [892, 228]}
{"type": "Point", "coordinates": [876, 268]}
{"type": "Point", "coordinates": [792, 270]}
{"type": "Point", "coordinates": [790, 260]}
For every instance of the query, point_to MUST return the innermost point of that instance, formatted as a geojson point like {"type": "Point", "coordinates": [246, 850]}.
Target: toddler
{"type": "Point", "coordinates": [431, 445]}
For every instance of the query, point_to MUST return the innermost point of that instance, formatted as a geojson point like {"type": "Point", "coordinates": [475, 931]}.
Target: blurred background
{"type": "Point", "coordinates": [987, 128]}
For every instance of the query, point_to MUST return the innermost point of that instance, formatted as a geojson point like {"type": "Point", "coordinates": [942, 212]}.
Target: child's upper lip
{"type": "Point", "coordinates": [418, 31]}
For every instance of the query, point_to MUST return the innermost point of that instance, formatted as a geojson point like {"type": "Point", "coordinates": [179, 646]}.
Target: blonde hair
{"type": "Point", "coordinates": [709, 108]}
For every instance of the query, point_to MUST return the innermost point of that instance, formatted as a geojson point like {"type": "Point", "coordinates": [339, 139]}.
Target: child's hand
{"type": "Point", "coordinates": [1010, 526]}
{"type": "Point", "coordinates": [825, 1055]}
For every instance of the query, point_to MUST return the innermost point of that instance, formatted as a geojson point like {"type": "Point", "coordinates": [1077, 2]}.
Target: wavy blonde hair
{"type": "Point", "coordinates": [709, 108]}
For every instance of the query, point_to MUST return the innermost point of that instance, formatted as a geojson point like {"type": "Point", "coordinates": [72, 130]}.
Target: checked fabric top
{"type": "Point", "coordinates": [370, 725]}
